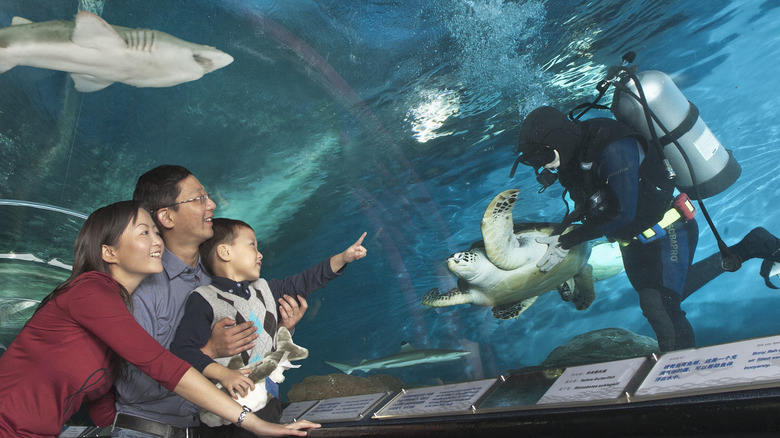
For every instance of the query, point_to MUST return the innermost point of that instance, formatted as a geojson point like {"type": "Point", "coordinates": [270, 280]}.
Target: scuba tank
{"type": "Point", "coordinates": [694, 153]}
{"type": "Point", "coordinates": [691, 153]}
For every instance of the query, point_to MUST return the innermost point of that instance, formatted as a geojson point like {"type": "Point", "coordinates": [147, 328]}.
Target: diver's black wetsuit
{"type": "Point", "coordinates": [620, 189]}
{"type": "Point", "coordinates": [658, 269]}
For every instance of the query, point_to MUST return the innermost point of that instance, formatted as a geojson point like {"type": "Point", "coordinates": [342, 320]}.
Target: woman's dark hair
{"type": "Point", "coordinates": [225, 231]}
{"type": "Point", "coordinates": [159, 188]}
{"type": "Point", "coordinates": [103, 227]}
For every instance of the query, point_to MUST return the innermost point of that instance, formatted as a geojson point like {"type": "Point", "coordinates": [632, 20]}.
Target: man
{"type": "Point", "coordinates": [620, 191]}
{"type": "Point", "coordinates": [182, 210]}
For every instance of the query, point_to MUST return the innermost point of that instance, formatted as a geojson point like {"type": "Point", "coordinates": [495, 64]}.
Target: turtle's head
{"type": "Point", "coordinates": [464, 264]}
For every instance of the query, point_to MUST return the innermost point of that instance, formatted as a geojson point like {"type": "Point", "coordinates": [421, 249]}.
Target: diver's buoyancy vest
{"type": "Point", "coordinates": [582, 181]}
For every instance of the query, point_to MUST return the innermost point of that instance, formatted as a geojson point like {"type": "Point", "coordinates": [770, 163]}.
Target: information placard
{"type": "Point", "coordinates": [736, 365]}
{"type": "Point", "coordinates": [439, 400]}
{"type": "Point", "coordinates": [294, 411]}
{"type": "Point", "coordinates": [351, 408]}
{"type": "Point", "coordinates": [602, 381]}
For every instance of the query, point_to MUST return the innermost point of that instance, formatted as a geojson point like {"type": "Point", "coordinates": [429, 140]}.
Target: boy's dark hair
{"type": "Point", "coordinates": [159, 188]}
{"type": "Point", "coordinates": [225, 231]}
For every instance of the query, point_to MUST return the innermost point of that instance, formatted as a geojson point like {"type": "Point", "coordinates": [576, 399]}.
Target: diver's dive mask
{"type": "Point", "coordinates": [536, 156]}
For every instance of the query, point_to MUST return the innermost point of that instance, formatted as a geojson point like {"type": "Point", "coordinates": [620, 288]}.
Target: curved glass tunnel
{"type": "Point", "coordinates": [401, 120]}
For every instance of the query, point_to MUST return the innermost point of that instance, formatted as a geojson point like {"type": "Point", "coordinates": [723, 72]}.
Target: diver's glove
{"type": "Point", "coordinates": [554, 253]}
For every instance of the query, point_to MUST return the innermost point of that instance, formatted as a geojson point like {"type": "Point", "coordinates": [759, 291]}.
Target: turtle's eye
{"type": "Point", "coordinates": [458, 256]}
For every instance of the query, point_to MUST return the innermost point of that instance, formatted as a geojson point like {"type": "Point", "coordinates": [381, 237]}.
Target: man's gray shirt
{"type": "Point", "coordinates": [158, 305]}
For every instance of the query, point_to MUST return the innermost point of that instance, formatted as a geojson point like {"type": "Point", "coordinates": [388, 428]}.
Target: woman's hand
{"type": "Point", "coordinates": [262, 428]}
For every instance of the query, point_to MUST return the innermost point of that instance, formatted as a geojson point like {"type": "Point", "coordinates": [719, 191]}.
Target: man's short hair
{"type": "Point", "coordinates": [159, 188]}
{"type": "Point", "coordinates": [225, 231]}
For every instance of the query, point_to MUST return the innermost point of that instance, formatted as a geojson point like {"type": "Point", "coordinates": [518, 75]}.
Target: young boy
{"type": "Point", "coordinates": [236, 291]}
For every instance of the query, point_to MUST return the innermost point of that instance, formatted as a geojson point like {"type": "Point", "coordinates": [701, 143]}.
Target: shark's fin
{"type": "Point", "coordinates": [284, 342]}
{"type": "Point", "coordinates": [405, 346]}
{"type": "Point", "coordinates": [16, 21]}
{"type": "Point", "coordinates": [89, 83]}
{"type": "Point", "coordinates": [344, 368]}
{"type": "Point", "coordinates": [93, 32]}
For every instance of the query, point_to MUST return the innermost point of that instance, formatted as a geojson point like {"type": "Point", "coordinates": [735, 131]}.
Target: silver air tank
{"type": "Point", "coordinates": [714, 169]}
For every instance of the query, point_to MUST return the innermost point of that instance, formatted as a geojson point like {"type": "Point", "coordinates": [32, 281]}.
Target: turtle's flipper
{"type": "Point", "coordinates": [498, 236]}
{"type": "Point", "coordinates": [455, 296]}
{"type": "Point", "coordinates": [513, 310]}
{"type": "Point", "coordinates": [584, 294]}
{"type": "Point", "coordinates": [567, 290]}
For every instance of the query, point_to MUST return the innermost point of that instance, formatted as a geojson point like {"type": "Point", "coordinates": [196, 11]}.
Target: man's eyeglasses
{"type": "Point", "coordinates": [204, 199]}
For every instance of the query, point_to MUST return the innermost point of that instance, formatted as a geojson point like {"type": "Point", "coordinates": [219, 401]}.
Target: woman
{"type": "Point", "coordinates": [68, 352]}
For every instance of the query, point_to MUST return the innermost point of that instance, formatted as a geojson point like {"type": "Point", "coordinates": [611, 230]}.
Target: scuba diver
{"type": "Point", "coordinates": [620, 190]}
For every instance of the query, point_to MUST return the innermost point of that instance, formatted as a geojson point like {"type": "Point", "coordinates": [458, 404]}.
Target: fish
{"type": "Point", "coordinates": [14, 312]}
{"type": "Point", "coordinates": [409, 356]}
{"type": "Point", "coordinates": [97, 54]}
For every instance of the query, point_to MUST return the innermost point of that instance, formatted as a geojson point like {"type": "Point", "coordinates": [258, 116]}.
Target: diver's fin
{"type": "Point", "coordinates": [768, 269]}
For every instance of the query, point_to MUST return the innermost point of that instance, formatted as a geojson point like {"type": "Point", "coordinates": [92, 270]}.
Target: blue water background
{"type": "Point", "coordinates": [310, 137]}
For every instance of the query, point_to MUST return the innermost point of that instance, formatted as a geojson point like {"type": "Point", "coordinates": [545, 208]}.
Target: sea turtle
{"type": "Point", "coordinates": [500, 271]}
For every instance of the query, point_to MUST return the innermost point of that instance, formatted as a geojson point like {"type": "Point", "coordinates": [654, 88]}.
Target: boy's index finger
{"type": "Point", "coordinates": [360, 240]}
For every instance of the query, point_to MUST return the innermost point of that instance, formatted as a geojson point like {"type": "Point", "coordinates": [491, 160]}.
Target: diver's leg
{"type": "Point", "coordinates": [701, 273]}
{"type": "Point", "coordinates": [658, 271]}
{"type": "Point", "coordinates": [683, 331]}
{"type": "Point", "coordinates": [668, 321]}
{"type": "Point", "coordinates": [758, 243]}
{"type": "Point", "coordinates": [653, 309]}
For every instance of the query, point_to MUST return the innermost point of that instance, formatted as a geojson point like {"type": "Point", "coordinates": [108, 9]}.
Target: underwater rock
{"type": "Point", "coordinates": [602, 345]}
{"type": "Point", "coordinates": [341, 385]}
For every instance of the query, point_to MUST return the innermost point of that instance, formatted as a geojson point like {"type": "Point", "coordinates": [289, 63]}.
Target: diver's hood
{"type": "Point", "coordinates": [548, 126]}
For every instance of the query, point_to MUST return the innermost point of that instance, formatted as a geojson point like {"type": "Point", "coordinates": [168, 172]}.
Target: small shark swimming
{"type": "Point", "coordinates": [408, 356]}
{"type": "Point", "coordinates": [97, 54]}
{"type": "Point", "coordinates": [14, 312]}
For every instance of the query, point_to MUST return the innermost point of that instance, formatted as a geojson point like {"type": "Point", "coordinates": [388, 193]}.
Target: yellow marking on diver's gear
{"type": "Point", "coordinates": [671, 216]}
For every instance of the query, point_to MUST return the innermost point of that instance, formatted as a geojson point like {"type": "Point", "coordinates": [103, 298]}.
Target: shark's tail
{"type": "Point", "coordinates": [344, 368]}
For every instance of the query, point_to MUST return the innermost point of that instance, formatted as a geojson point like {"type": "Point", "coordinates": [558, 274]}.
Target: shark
{"type": "Point", "coordinates": [14, 312]}
{"type": "Point", "coordinates": [97, 54]}
{"type": "Point", "coordinates": [409, 356]}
